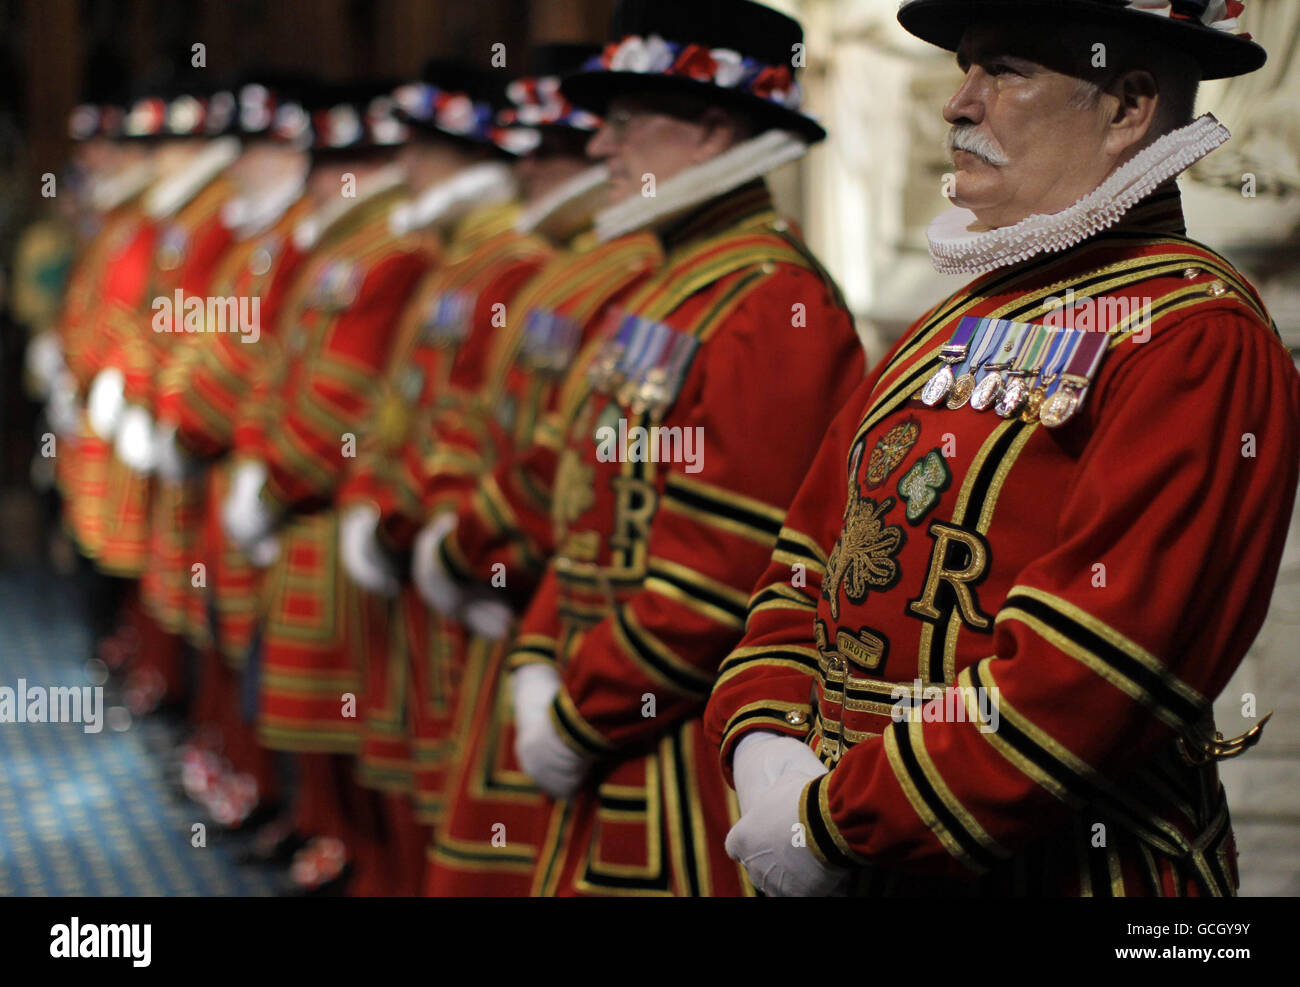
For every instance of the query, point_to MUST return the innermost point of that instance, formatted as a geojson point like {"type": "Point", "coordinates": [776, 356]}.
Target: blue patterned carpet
{"type": "Point", "coordinates": [89, 814]}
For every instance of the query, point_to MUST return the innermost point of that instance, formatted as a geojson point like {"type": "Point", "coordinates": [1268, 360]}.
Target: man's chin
{"type": "Point", "coordinates": [617, 192]}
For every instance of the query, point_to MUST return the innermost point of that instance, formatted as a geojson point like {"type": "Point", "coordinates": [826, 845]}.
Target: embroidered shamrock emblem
{"type": "Point", "coordinates": [890, 450]}
{"type": "Point", "coordinates": [920, 486]}
{"type": "Point", "coordinates": [864, 554]}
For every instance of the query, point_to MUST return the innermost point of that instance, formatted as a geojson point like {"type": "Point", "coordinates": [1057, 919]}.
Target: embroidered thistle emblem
{"type": "Point", "coordinates": [890, 450]}
{"type": "Point", "coordinates": [574, 495]}
{"type": "Point", "coordinates": [920, 486]}
{"type": "Point", "coordinates": [864, 554]}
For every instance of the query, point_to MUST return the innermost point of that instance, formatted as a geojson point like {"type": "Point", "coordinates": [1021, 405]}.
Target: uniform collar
{"type": "Point", "coordinates": [313, 229]}
{"type": "Point", "coordinates": [737, 167]}
{"type": "Point", "coordinates": [481, 224]}
{"type": "Point", "coordinates": [567, 209]}
{"type": "Point", "coordinates": [446, 203]}
{"type": "Point", "coordinates": [718, 214]}
{"type": "Point", "coordinates": [249, 215]}
{"type": "Point", "coordinates": [174, 192]}
{"type": "Point", "coordinates": [121, 187]}
{"type": "Point", "coordinates": [954, 249]}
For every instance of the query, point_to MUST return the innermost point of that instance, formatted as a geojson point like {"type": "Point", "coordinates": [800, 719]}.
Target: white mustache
{"type": "Point", "coordinates": [968, 137]}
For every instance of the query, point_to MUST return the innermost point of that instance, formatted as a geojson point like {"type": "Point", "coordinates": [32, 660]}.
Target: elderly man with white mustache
{"type": "Point", "coordinates": [1067, 490]}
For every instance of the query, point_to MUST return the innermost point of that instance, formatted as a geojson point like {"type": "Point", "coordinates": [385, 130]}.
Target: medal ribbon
{"type": "Point", "coordinates": [959, 346]}
{"type": "Point", "coordinates": [1087, 357]}
{"type": "Point", "coordinates": [1031, 356]}
{"type": "Point", "coordinates": [1014, 343]}
{"type": "Point", "coordinates": [982, 343]}
{"type": "Point", "coordinates": [1062, 349]}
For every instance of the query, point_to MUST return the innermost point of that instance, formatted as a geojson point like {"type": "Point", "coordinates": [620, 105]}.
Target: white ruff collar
{"type": "Point", "coordinates": [110, 192]}
{"type": "Point", "coordinates": [258, 211]}
{"type": "Point", "coordinates": [568, 207]}
{"type": "Point", "coordinates": [172, 192]}
{"type": "Point", "coordinates": [444, 203]}
{"type": "Point", "coordinates": [700, 183]}
{"type": "Point", "coordinates": [309, 232]}
{"type": "Point", "coordinates": [955, 249]}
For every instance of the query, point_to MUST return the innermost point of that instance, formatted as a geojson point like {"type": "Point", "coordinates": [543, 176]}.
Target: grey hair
{"type": "Point", "coordinates": [1176, 75]}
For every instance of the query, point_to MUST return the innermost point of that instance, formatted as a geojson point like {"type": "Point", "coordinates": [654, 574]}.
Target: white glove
{"type": "Point", "coordinates": [175, 465]}
{"type": "Point", "coordinates": [265, 552]}
{"type": "Point", "coordinates": [105, 401]}
{"type": "Point", "coordinates": [763, 757]}
{"type": "Point", "coordinates": [435, 584]}
{"type": "Point", "coordinates": [556, 767]}
{"type": "Point", "coordinates": [62, 410]}
{"type": "Point", "coordinates": [244, 516]}
{"type": "Point", "coordinates": [487, 616]}
{"type": "Point", "coordinates": [45, 362]}
{"type": "Point", "coordinates": [134, 445]}
{"type": "Point", "coordinates": [363, 557]}
{"type": "Point", "coordinates": [771, 844]}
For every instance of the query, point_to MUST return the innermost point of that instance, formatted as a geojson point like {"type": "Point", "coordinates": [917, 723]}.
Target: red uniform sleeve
{"type": "Point", "coordinates": [506, 517]}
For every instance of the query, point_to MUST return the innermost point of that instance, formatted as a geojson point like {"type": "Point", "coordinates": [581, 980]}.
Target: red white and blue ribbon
{"type": "Point", "coordinates": [720, 67]}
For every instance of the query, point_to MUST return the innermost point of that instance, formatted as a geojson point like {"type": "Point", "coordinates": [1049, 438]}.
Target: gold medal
{"type": "Point", "coordinates": [961, 391]}
{"type": "Point", "coordinates": [169, 257]}
{"type": "Point", "coordinates": [260, 261]}
{"type": "Point", "coordinates": [626, 393]}
{"type": "Point", "coordinates": [1060, 407]}
{"type": "Point", "coordinates": [1033, 404]}
{"type": "Point", "coordinates": [652, 391]}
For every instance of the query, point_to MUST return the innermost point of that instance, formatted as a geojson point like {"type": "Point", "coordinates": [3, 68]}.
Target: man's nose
{"type": "Point", "coordinates": [967, 103]}
{"type": "Point", "coordinates": [602, 143]}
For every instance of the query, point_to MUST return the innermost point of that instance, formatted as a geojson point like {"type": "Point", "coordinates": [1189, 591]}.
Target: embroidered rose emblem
{"type": "Point", "coordinates": [650, 54]}
{"type": "Point", "coordinates": [344, 126]}
{"type": "Point", "coordinates": [457, 114]}
{"type": "Point", "coordinates": [730, 71]}
{"type": "Point", "coordinates": [773, 80]}
{"type": "Point", "coordinates": [696, 63]}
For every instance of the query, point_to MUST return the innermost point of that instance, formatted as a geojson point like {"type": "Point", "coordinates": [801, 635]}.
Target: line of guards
{"type": "Point", "coordinates": [308, 319]}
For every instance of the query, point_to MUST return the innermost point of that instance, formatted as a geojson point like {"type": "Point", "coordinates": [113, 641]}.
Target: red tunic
{"type": "Point", "coordinates": [414, 658]}
{"type": "Point", "coordinates": [186, 249]}
{"type": "Point", "coordinates": [558, 312]}
{"type": "Point", "coordinates": [338, 329]}
{"type": "Point", "coordinates": [93, 344]}
{"type": "Point", "coordinates": [654, 560]}
{"type": "Point", "coordinates": [1105, 576]}
{"type": "Point", "coordinates": [208, 398]}
{"type": "Point", "coordinates": [101, 277]}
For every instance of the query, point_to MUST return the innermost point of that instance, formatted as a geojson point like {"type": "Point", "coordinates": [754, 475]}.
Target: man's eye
{"type": "Point", "coordinates": [1001, 68]}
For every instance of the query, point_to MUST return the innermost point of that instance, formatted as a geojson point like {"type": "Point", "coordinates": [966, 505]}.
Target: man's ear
{"type": "Point", "coordinates": [719, 131]}
{"type": "Point", "coordinates": [1136, 98]}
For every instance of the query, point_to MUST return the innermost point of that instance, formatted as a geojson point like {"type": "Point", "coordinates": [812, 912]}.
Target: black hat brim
{"type": "Point", "coordinates": [594, 90]}
{"type": "Point", "coordinates": [1218, 53]}
{"type": "Point", "coordinates": [420, 128]}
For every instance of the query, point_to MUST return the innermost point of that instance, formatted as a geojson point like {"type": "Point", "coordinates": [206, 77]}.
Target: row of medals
{"type": "Point", "coordinates": [650, 392]}
{"type": "Point", "coordinates": [1008, 398]}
